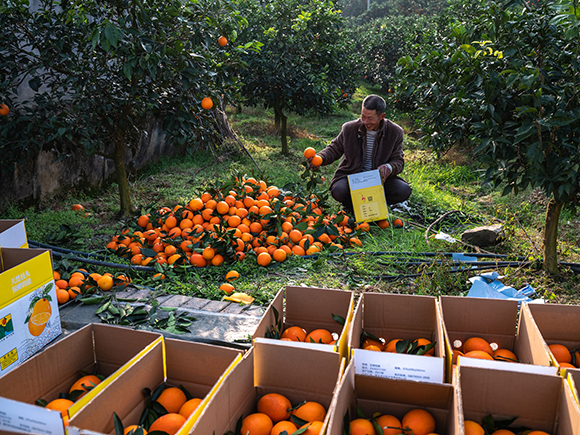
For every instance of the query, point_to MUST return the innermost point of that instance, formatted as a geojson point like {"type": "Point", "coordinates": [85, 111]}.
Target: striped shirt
{"type": "Point", "coordinates": [368, 160]}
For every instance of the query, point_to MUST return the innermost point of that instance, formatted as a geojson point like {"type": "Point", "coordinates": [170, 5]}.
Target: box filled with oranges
{"type": "Point", "coordinates": [516, 402]}
{"type": "Point", "coordinates": [29, 317]}
{"type": "Point", "coordinates": [399, 337]}
{"type": "Point", "coordinates": [13, 233]}
{"type": "Point", "coordinates": [274, 388]}
{"type": "Point", "coordinates": [317, 318]}
{"type": "Point", "coordinates": [395, 405]}
{"type": "Point", "coordinates": [490, 333]}
{"type": "Point", "coordinates": [165, 389]}
{"type": "Point", "coordinates": [562, 341]}
{"type": "Point", "coordinates": [93, 354]}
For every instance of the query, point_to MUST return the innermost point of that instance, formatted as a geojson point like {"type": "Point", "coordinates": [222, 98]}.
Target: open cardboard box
{"type": "Point", "coordinates": [29, 316]}
{"type": "Point", "coordinates": [13, 233]}
{"type": "Point", "coordinates": [540, 402]}
{"type": "Point", "coordinates": [554, 323]}
{"type": "Point", "coordinates": [198, 367]}
{"type": "Point", "coordinates": [310, 308]}
{"type": "Point", "coordinates": [95, 349]}
{"type": "Point", "coordinates": [495, 320]}
{"type": "Point", "coordinates": [395, 397]}
{"type": "Point", "coordinates": [299, 373]}
{"type": "Point", "coordinates": [394, 316]}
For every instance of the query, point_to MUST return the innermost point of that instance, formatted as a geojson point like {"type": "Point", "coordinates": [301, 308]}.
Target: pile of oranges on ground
{"type": "Point", "coordinates": [244, 218]}
{"type": "Point", "coordinates": [417, 421]}
{"type": "Point", "coordinates": [77, 390]}
{"type": "Point", "coordinates": [474, 428]}
{"type": "Point", "coordinates": [477, 347]}
{"type": "Point", "coordinates": [81, 282]}
{"type": "Point", "coordinates": [276, 415]}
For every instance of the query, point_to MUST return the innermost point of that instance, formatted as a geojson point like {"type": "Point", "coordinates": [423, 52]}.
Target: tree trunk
{"type": "Point", "coordinates": [283, 136]}
{"type": "Point", "coordinates": [551, 236]}
{"type": "Point", "coordinates": [121, 172]}
{"type": "Point", "coordinates": [277, 118]}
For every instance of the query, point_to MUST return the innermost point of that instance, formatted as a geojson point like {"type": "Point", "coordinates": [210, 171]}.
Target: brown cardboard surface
{"type": "Point", "coordinates": [395, 397]}
{"type": "Point", "coordinates": [299, 373]}
{"type": "Point", "coordinates": [13, 234]}
{"type": "Point", "coordinates": [569, 415]}
{"type": "Point", "coordinates": [14, 256]}
{"type": "Point", "coordinates": [533, 398]}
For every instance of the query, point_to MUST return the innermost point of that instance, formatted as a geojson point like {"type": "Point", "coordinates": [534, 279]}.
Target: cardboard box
{"type": "Point", "coordinates": [495, 320]}
{"type": "Point", "coordinates": [555, 325]}
{"type": "Point", "coordinates": [394, 316]}
{"type": "Point", "coordinates": [96, 348]}
{"type": "Point", "coordinates": [573, 378]}
{"type": "Point", "coordinates": [299, 373]}
{"type": "Point", "coordinates": [540, 402]}
{"type": "Point", "coordinates": [310, 308]}
{"type": "Point", "coordinates": [199, 368]}
{"type": "Point", "coordinates": [395, 397]}
{"type": "Point", "coordinates": [13, 233]}
{"type": "Point", "coordinates": [29, 317]}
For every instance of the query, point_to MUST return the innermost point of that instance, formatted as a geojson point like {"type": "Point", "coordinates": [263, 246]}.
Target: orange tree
{"type": "Point", "coordinates": [99, 72]}
{"type": "Point", "coordinates": [508, 82]}
{"type": "Point", "coordinates": [304, 64]}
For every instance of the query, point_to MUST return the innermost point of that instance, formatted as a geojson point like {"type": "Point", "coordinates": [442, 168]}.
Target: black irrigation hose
{"type": "Point", "coordinates": [105, 263]}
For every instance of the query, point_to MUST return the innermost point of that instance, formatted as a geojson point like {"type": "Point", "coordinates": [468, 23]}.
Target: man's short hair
{"type": "Point", "coordinates": [375, 102]}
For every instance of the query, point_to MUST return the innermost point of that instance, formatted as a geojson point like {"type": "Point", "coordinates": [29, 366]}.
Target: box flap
{"type": "Point", "coordinates": [13, 233]}
{"type": "Point", "coordinates": [569, 421]}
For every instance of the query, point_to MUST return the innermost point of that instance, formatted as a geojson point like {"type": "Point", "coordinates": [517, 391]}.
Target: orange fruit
{"type": "Point", "coordinates": [78, 207]}
{"type": "Point", "coordinates": [284, 426]}
{"type": "Point", "coordinates": [398, 223]}
{"type": "Point", "coordinates": [76, 280]}
{"type": "Point", "coordinates": [538, 432]}
{"type": "Point", "coordinates": [61, 283]}
{"type": "Point", "coordinates": [424, 342]}
{"type": "Point", "coordinates": [60, 405]}
{"type": "Point", "coordinates": [85, 383]}
{"type": "Point", "coordinates": [197, 260]}
{"type": "Point", "coordinates": [503, 432]}
{"type": "Point", "coordinates": [505, 355]}
{"type": "Point", "coordinates": [456, 353]}
{"type": "Point", "coordinates": [294, 333]}
{"type": "Point", "coordinates": [62, 296]}
{"type": "Point", "coordinates": [257, 424]}
{"type": "Point", "coordinates": [169, 423]}
{"type": "Point", "coordinates": [567, 365]}
{"type": "Point", "coordinates": [208, 253]}
{"type": "Point", "coordinates": [41, 312]}
{"type": "Point", "coordinates": [473, 428]}
{"type": "Point", "coordinates": [480, 354]}
{"type": "Point", "coordinates": [561, 353]}
{"type": "Point", "coordinates": [319, 336]}
{"type": "Point", "coordinates": [310, 411]}
{"type": "Point", "coordinates": [276, 406]}
{"type": "Point", "coordinates": [232, 275]}
{"type": "Point", "coordinates": [227, 288]}
{"type": "Point", "coordinates": [4, 110]}
{"type": "Point", "coordinates": [264, 259]}
{"type": "Point", "coordinates": [361, 426]}
{"type": "Point", "coordinates": [105, 282]}
{"type": "Point", "coordinates": [189, 407]}
{"type": "Point", "coordinates": [207, 103]}
{"type": "Point", "coordinates": [309, 152]}
{"type": "Point", "coordinates": [392, 345]}
{"type": "Point", "coordinates": [419, 421]}
{"type": "Point", "coordinates": [312, 428]}
{"type": "Point", "coordinates": [390, 424]}
{"type": "Point", "coordinates": [477, 343]}
{"type": "Point", "coordinates": [372, 342]}
{"type": "Point", "coordinates": [316, 160]}
{"type": "Point", "coordinates": [172, 399]}
{"type": "Point", "coordinates": [222, 41]}
{"type": "Point", "coordinates": [73, 292]}
{"type": "Point", "coordinates": [279, 255]}
{"type": "Point", "coordinates": [131, 429]}
{"type": "Point", "coordinates": [383, 224]}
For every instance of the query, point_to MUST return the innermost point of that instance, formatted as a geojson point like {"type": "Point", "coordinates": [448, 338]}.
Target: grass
{"type": "Point", "coordinates": [440, 185]}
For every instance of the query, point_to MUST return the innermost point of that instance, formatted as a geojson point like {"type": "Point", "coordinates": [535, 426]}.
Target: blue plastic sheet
{"type": "Point", "coordinates": [488, 285]}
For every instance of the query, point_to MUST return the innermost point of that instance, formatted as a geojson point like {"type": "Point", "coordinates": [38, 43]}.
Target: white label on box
{"type": "Point", "coordinates": [506, 365]}
{"type": "Point", "coordinates": [26, 418]}
{"type": "Point", "coordinates": [398, 366]}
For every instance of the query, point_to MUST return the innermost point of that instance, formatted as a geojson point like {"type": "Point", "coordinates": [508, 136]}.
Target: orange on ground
{"type": "Point", "coordinates": [361, 426]}
{"type": "Point", "coordinates": [312, 428]}
{"type": "Point", "coordinates": [420, 421]}
{"type": "Point", "coordinates": [169, 423]}
{"type": "Point", "coordinates": [310, 411]}
{"type": "Point", "coordinates": [264, 259]}
{"type": "Point", "coordinates": [60, 405]}
{"type": "Point", "coordinates": [383, 224]}
{"type": "Point", "coordinates": [227, 288]}
{"type": "Point", "coordinates": [473, 428]}
{"type": "Point", "coordinates": [276, 406]}
{"type": "Point", "coordinates": [62, 283]}
{"type": "Point", "coordinates": [62, 296]}
{"type": "Point", "coordinates": [390, 424]}
{"type": "Point", "coordinates": [172, 399]}
{"type": "Point", "coordinates": [279, 255]}
{"type": "Point", "coordinates": [105, 283]}
{"type": "Point", "coordinates": [561, 353]}
{"type": "Point", "coordinates": [294, 333]}
{"type": "Point", "coordinates": [78, 207]}
{"type": "Point", "coordinates": [232, 275]}
{"type": "Point", "coordinates": [397, 223]}
{"type": "Point", "coordinates": [189, 407]}
{"type": "Point", "coordinates": [477, 343]}
{"type": "Point", "coordinates": [73, 292]}
{"type": "Point", "coordinates": [257, 424]}
{"type": "Point", "coordinates": [282, 426]}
